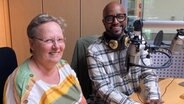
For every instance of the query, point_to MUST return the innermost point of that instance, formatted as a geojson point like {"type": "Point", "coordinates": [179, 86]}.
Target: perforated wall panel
{"type": "Point", "coordinates": [176, 70]}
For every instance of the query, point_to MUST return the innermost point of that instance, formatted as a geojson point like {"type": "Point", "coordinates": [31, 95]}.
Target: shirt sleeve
{"type": "Point", "coordinates": [9, 95]}
{"type": "Point", "coordinates": [150, 80]}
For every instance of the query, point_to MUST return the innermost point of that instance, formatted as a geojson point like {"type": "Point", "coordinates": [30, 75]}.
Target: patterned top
{"type": "Point", "coordinates": [22, 87]}
{"type": "Point", "coordinates": [112, 81]}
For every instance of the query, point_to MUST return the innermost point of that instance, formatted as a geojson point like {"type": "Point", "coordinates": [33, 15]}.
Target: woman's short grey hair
{"type": "Point", "coordinates": [41, 19]}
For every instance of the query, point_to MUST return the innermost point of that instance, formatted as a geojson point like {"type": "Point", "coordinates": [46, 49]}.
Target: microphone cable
{"type": "Point", "coordinates": [164, 65]}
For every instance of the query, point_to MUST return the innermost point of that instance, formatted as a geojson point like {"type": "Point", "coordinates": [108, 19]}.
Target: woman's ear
{"type": "Point", "coordinates": [31, 43]}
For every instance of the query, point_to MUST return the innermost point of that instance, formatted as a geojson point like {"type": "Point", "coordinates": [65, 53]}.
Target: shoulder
{"type": "Point", "coordinates": [64, 66]}
{"type": "Point", "coordinates": [20, 77]}
{"type": "Point", "coordinates": [97, 45]}
{"type": "Point", "coordinates": [63, 62]}
{"type": "Point", "coordinates": [23, 71]}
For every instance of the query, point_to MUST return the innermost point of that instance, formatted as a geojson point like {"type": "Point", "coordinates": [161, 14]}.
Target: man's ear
{"type": "Point", "coordinates": [103, 21]}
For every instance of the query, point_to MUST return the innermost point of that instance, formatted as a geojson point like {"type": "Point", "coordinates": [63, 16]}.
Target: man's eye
{"type": "Point", "coordinates": [109, 18]}
{"type": "Point", "coordinates": [121, 17]}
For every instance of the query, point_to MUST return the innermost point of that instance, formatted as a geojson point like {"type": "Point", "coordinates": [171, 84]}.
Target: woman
{"type": "Point", "coordinates": [44, 78]}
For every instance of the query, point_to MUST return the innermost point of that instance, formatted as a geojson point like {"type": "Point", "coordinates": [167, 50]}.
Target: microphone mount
{"type": "Point", "coordinates": [138, 43]}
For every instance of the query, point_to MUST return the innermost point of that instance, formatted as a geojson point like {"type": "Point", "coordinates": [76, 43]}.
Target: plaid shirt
{"type": "Point", "coordinates": [112, 81]}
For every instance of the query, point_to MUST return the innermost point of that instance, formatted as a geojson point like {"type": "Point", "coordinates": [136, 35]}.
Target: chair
{"type": "Point", "coordinates": [8, 62]}
{"type": "Point", "coordinates": [79, 63]}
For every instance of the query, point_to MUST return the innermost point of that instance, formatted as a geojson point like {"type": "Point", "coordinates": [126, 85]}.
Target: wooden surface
{"type": "Point", "coordinates": [83, 17]}
{"type": "Point", "coordinates": [171, 91]}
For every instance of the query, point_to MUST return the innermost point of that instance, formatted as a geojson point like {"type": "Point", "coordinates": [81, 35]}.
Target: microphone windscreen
{"type": "Point", "coordinates": [138, 25]}
{"type": "Point", "coordinates": [159, 38]}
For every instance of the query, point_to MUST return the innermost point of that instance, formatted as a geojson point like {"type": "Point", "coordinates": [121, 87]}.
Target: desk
{"type": "Point", "coordinates": [173, 93]}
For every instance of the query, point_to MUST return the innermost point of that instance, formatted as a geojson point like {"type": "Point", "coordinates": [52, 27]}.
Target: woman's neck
{"type": "Point", "coordinates": [44, 71]}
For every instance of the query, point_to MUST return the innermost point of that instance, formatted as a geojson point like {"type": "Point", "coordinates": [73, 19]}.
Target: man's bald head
{"type": "Point", "coordinates": [113, 6]}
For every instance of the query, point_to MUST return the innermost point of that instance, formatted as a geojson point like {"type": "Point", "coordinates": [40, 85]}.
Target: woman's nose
{"type": "Point", "coordinates": [56, 44]}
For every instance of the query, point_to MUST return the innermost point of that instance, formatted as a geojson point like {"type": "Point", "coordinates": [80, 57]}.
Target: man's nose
{"type": "Point", "coordinates": [115, 21]}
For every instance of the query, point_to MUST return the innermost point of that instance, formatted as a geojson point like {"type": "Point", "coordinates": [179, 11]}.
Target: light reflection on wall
{"type": "Point", "coordinates": [5, 39]}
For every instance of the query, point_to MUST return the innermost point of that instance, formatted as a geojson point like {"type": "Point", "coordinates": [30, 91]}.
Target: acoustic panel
{"type": "Point", "coordinates": [176, 70]}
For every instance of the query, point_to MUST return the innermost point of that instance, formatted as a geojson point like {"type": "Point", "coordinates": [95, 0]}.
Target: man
{"type": "Point", "coordinates": [112, 81]}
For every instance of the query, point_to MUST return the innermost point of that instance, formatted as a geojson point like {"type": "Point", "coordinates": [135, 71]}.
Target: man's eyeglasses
{"type": "Point", "coordinates": [51, 41]}
{"type": "Point", "coordinates": [110, 18]}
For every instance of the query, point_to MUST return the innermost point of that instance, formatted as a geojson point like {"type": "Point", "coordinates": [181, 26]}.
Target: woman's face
{"type": "Point", "coordinates": [49, 43]}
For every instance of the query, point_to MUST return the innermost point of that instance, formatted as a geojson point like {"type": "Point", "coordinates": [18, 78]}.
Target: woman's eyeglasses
{"type": "Point", "coordinates": [51, 41]}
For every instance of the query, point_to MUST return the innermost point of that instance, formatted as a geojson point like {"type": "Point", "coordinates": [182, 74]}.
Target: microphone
{"type": "Point", "coordinates": [178, 41]}
{"type": "Point", "coordinates": [138, 24]}
{"type": "Point", "coordinates": [136, 40]}
{"type": "Point", "coordinates": [134, 54]}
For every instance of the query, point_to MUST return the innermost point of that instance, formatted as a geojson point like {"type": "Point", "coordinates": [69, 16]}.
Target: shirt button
{"type": "Point", "coordinates": [31, 75]}
{"type": "Point", "coordinates": [27, 87]}
{"type": "Point", "coordinates": [25, 101]}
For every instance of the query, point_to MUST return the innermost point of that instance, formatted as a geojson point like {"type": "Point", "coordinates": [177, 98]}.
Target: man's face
{"type": "Point", "coordinates": [114, 19]}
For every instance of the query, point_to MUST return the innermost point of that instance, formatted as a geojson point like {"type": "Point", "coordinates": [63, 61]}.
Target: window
{"type": "Point", "coordinates": [158, 15]}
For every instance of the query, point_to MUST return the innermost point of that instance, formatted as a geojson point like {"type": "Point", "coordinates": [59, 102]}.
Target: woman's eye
{"type": "Point", "coordinates": [48, 41]}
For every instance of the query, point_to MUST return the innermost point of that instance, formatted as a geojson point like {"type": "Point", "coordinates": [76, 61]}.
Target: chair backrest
{"type": "Point", "coordinates": [79, 63]}
{"type": "Point", "coordinates": [8, 62]}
